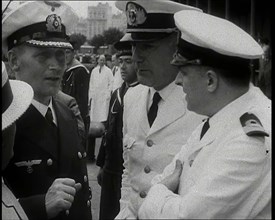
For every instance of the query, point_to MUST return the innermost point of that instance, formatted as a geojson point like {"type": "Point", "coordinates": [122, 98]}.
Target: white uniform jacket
{"type": "Point", "coordinates": [226, 174]}
{"type": "Point", "coordinates": [100, 89]}
{"type": "Point", "coordinates": [147, 150]}
{"type": "Point", "coordinates": [11, 208]}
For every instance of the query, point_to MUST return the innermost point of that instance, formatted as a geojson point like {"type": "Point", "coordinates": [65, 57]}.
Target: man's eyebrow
{"type": "Point", "coordinates": [41, 52]}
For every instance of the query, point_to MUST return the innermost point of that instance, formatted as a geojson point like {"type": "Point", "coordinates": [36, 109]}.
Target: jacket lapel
{"type": "Point", "coordinates": [173, 109]}
{"type": "Point", "coordinates": [142, 106]}
{"type": "Point", "coordinates": [66, 137]}
{"type": "Point", "coordinates": [34, 128]}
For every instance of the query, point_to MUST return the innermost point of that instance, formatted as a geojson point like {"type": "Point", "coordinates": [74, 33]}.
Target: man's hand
{"type": "Point", "coordinates": [172, 181]}
{"type": "Point", "coordinates": [99, 176]}
{"type": "Point", "coordinates": [60, 196]}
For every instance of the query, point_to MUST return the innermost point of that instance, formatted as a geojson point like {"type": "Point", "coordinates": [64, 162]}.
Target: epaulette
{"type": "Point", "coordinates": [252, 125]}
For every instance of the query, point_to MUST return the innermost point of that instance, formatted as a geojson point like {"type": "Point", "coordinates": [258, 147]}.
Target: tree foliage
{"type": "Point", "coordinates": [78, 40]}
{"type": "Point", "coordinates": [109, 36]}
{"type": "Point", "coordinates": [97, 41]}
{"type": "Point", "coordinates": [112, 35]}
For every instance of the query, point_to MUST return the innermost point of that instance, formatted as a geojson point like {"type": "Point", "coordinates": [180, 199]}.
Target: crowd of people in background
{"type": "Point", "coordinates": [185, 133]}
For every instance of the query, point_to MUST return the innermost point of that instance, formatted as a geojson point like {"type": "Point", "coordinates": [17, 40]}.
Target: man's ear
{"type": "Point", "coordinates": [13, 60]}
{"type": "Point", "coordinates": [212, 80]}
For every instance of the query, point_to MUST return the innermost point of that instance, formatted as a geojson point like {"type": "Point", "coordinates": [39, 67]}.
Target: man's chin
{"type": "Point", "coordinates": [144, 77]}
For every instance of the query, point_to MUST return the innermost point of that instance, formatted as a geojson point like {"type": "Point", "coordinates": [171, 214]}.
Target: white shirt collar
{"type": "Point", "coordinates": [43, 108]}
{"type": "Point", "coordinates": [164, 93]}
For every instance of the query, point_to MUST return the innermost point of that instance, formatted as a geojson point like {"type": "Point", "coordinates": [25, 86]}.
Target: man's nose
{"type": "Point", "coordinates": [136, 54]}
{"type": "Point", "coordinates": [178, 80]}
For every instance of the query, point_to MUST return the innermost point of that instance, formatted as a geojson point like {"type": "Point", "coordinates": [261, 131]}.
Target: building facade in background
{"type": "Point", "coordinates": [100, 18]}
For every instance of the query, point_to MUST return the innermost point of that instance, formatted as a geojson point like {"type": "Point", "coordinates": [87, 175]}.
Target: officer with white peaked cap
{"type": "Point", "coordinates": [155, 120]}
{"type": "Point", "coordinates": [224, 170]}
{"type": "Point", "coordinates": [47, 172]}
{"type": "Point", "coordinates": [150, 20]}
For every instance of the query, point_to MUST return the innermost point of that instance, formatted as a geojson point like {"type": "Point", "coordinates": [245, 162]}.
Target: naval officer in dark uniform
{"type": "Point", "coordinates": [48, 172]}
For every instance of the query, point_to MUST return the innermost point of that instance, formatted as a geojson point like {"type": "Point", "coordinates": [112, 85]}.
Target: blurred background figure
{"type": "Point", "coordinates": [16, 98]}
{"type": "Point", "coordinates": [110, 158]}
{"type": "Point", "coordinates": [100, 90]}
{"type": "Point", "coordinates": [75, 83]}
{"type": "Point", "coordinates": [116, 72]}
{"type": "Point", "coordinates": [108, 60]}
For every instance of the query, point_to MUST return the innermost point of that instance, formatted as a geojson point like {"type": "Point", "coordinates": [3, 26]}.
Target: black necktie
{"type": "Point", "coordinates": [49, 117]}
{"type": "Point", "coordinates": [205, 127]}
{"type": "Point", "coordinates": [152, 114]}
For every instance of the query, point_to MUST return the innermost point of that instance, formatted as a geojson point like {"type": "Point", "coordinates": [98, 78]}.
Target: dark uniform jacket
{"type": "Point", "coordinates": [41, 155]}
{"type": "Point", "coordinates": [76, 84]}
{"type": "Point", "coordinates": [72, 104]}
{"type": "Point", "coordinates": [110, 152]}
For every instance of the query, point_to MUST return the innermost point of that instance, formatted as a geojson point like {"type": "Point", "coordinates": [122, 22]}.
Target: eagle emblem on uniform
{"type": "Point", "coordinates": [28, 164]}
{"type": "Point", "coordinates": [53, 23]}
{"type": "Point", "coordinates": [136, 14]}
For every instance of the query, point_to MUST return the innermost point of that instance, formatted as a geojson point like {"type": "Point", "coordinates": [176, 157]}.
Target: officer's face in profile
{"type": "Point", "coordinates": [42, 68]}
{"type": "Point", "coordinates": [193, 81]}
{"type": "Point", "coordinates": [153, 62]}
{"type": "Point", "coordinates": [127, 69]}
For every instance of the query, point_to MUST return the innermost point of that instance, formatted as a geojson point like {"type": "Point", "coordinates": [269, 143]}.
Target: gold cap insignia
{"type": "Point", "coordinates": [53, 23]}
{"type": "Point", "coordinates": [136, 14]}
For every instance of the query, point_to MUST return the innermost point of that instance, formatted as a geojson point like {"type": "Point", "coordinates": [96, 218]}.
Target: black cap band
{"type": "Point", "coordinates": [209, 57]}
{"type": "Point", "coordinates": [158, 22]}
{"type": "Point", "coordinates": [124, 53]}
{"type": "Point", "coordinates": [36, 31]}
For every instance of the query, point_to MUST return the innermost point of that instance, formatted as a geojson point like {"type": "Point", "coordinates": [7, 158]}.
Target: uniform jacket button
{"type": "Point", "coordinates": [147, 169]}
{"type": "Point", "coordinates": [150, 143]}
{"type": "Point", "coordinates": [85, 179]}
{"type": "Point", "coordinates": [142, 194]}
{"type": "Point", "coordinates": [79, 155]}
{"type": "Point", "coordinates": [49, 162]}
{"type": "Point", "coordinates": [88, 203]}
{"type": "Point", "coordinates": [67, 212]}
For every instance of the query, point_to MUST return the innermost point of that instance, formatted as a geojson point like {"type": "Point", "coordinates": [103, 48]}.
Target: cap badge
{"type": "Point", "coordinates": [53, 23]}
{"type": "Point", "coordinates": [136, 14]}
{"type": "Point", "coordinates": [52, 4]}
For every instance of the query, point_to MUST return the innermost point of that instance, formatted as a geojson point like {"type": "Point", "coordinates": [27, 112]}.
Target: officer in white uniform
{"type": "Point", "coordinates": [224, 170]}
{"type": "Point", "coordinates": [150, 145]}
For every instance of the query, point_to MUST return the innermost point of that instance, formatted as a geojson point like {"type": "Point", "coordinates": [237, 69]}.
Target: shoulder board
{"type": "Point", "coordinates": [252, 125]}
